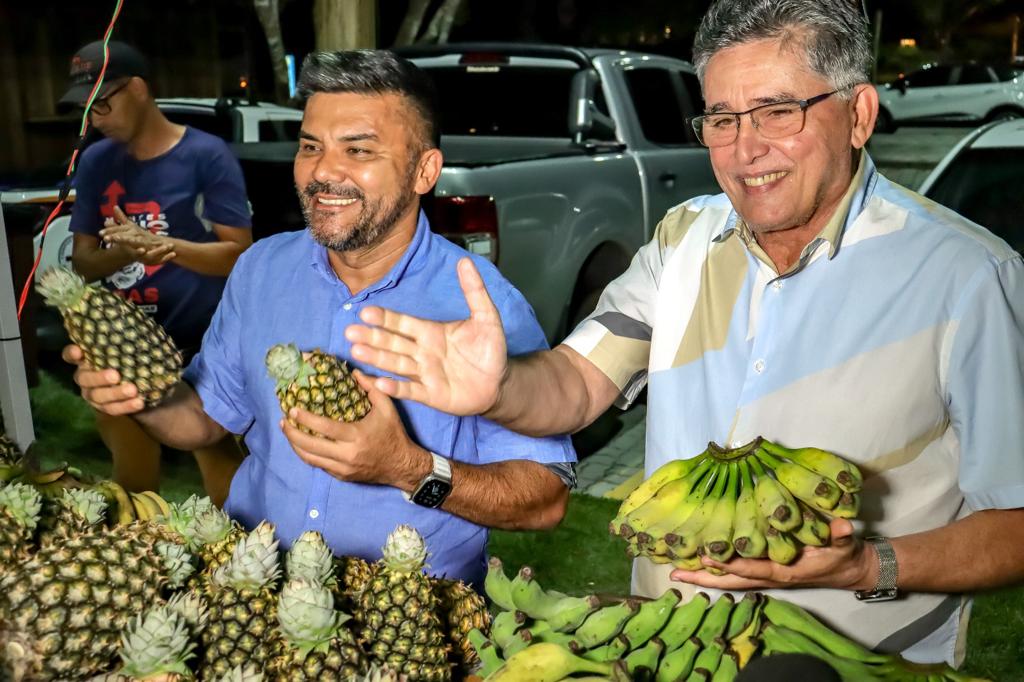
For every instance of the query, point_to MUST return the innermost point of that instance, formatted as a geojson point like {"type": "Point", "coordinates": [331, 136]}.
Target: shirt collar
{"type": "Point", "coordinates": [853, 202]}
{"type": "Point", "coordinates": [411, 261]}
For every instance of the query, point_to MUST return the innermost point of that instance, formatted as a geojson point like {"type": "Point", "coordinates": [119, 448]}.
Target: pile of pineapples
{"type": "Point", "coordinates": [191, 595]}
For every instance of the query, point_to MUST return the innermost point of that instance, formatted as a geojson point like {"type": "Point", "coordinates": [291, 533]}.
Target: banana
{"type": "Point", "coordinates": [43, 477]}
{"type": "Point", "coordinates": [551, 637]}
{"type": "Point", "coordinates": [162, 507]}
{"type": "Point", "coordinates": [774, 501]}
{"type": "Point", "coordinates": [651, 618]}
{"type": "Point", "coordinates": [519, 641]}
{"type": "Point", "coordinates": [570, 612]}
{"type": "Point", "coordinates": [9, 472]}
{"type": "Point", "coordinates": [606, 623]}
{"type": "Point", "coordinates": [728, 668]}
{"type": "Point", "coordinates": [143, 507]}
{"type": "Point", "coordinates": [717, 534]}
{"type": "Point", "coordinates": [779, 639]}
{"type": "Point", "coordinates": [684, 621]}
{"type": "Point", "coordinates": [666, 473]}
{"type": "Point", "coordinates": [710, 656]}
{"type": "Point", "coordinates": [782, 549]}
{"type": "Point", "coordinates": [612, 651]}
{"type": "Point", "coordinates": [486, 650]}
{"type": "Point", "coordinates": [505, 625]}
{"type": "Point", "coordinates": [847, 507]}
{"type": "Point", "coordinates": [692, 563]}
{"type": "Point", "coordinates": [530, 598]}
{"type": "Point", "coordinates": [656, 513]}
{"type": "Point", "coordinates": [717, 620]}
{"type": "Point", "coordinates": [699, 675]}
{"type": "Point", "coordinates": [497, 585]}
{"type": "Point", "coordinates": [820, 492]}
{"type": "Point", "coordinates": [123, 512]}
{"type": "Point", "coordinates": [813, 532]}
{"type": "Point", "coordinates": [645, 657]}
{"type": "Point", "coordinates": [676, 665]}
{"type": "Point", "coordinates": [748, 531]}
{"type": "Point", "coordinates": [846, 475]}
{"type": "Point", "coordinates": [153, 511]}
{"type": "Point", "coordinates": [684, 540]}
{"type": "Point", "coordinates": [546, 662]}
{"type": "Point", "coordinates": [742, 614]}
{"type": "Point", "coordinates": [793, 617]}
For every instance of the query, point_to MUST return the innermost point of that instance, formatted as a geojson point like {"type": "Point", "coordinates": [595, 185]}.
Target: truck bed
{"type": "Point", "coordinates": [471, 151]}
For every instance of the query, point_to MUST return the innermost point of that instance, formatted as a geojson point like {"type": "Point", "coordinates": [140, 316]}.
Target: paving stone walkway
{"type": "Point", "coordinates": [616, 468]}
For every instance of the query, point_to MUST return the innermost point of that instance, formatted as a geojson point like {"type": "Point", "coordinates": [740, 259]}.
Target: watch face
{"type": "Point", "coordinates": [432, 493]}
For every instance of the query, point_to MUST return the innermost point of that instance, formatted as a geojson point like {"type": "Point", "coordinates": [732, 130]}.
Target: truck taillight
{"type": "Point", "coordinates": [469, 221]}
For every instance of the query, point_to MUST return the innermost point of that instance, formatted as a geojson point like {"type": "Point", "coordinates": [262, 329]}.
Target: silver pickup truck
{"type": "Point", "coordinates": [559, 162]}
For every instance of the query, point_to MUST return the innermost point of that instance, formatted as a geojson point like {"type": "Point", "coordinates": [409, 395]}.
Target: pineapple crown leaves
{"type": "Point", "coordinates": [310, 559]}
{"type": "Point", "coordinates": [87, 504]}
{"type": "Point", "coordinates": [306, 613]}
{"type": "Point", "coordinates": [177, 562]}
{"type": "Point", "coordinates": [210, 526]}
{"type": "Point", "coordinates": [405, 550]}
{"type": "Point", "coordinates": [23, 502]}
{"type": "Point", "coordinates": [61, 287]}
{"type": "Point", "coordinates": [192, 608]}
{"type": "Point", "coordinates": [156, 642]}
{"type": "Point", "coordinates": [241, 673]}
{"type": "Point", "coordinates": [254, 562]}
{"type": "Point", "coordinates": [182, 517]}
{"type": "Point", "coordinates": [286, 366]}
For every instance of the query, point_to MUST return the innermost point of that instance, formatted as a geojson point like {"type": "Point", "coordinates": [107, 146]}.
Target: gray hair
{"type": "Point", "coordinates": [833, 33]}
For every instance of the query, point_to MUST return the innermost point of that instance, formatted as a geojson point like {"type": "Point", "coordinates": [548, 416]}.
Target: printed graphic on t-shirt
{"type": "Point", "coordinates": [149, 216]}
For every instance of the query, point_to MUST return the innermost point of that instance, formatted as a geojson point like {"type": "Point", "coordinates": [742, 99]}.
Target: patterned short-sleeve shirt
{"type": "Point", "coordinates": [895, 341]}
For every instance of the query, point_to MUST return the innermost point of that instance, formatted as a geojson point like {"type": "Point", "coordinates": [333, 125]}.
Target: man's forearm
{"type": "Point", "coordinates": [207, 258]}
{"type": "Point", "coordinates": [180, 421]}
{"type": "Point", "coordinates": [100, 263]}
{"type": "Point", "coordinates": [982, 551]}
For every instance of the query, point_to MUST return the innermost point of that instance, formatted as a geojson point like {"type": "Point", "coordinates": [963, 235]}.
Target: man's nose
{"type": "Point", "coordinates": [330, 167]}
{"type": "Point", "coordinates": [750, 144]}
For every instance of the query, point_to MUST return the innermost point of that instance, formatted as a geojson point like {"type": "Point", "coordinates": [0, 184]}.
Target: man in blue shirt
{"type": "Point", "coordinates": [367, 152]}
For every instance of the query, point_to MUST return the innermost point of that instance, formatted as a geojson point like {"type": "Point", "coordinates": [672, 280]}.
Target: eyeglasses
{"type": "Point", "coordinates": [778, 119]}
{"type": "Point", "coordinates": [101, 105]}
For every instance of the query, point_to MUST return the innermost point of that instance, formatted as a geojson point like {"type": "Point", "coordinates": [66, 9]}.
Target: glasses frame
{"type": "Point", "coordinates": [697, 122]}
{"type": "Point", "coordinates": [101, 105]}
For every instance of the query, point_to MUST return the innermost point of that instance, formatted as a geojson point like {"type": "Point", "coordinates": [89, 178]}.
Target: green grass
{"type": "Point", "coordinates": [578, 557]}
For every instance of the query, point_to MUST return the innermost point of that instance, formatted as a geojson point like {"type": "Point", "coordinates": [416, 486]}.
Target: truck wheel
{"type": "Point", "coordinates": [1004, 114]}
{"type": "Point", "coordinates": [586, 306]}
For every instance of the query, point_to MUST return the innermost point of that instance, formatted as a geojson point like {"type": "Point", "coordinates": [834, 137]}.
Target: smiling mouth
{"type": "Point", "coordinates": [764, 179]}
{"type": "Point", "coordinates": [335, 202]}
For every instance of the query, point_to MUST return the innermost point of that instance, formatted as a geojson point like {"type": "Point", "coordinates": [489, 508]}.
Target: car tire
{"type": "Point", "coordinates": [884, 123]}
{"type": "Point", "coordinates": [1004, 114]}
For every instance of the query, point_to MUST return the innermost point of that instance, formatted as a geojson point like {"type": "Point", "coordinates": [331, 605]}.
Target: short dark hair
{"type": "Point", "coordinates": [373, 72]}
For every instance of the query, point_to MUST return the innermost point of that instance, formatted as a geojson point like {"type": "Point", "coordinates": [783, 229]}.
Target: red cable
{"type": "Point", "coordinates": [74, 157]}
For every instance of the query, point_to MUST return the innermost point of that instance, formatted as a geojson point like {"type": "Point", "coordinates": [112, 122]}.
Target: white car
{"type": "Point", "coordinates": [233, 120]}
{"type": "Point", "coordinates": [981, 179]}
{"type": "Point", "coordinates": [952, 93]}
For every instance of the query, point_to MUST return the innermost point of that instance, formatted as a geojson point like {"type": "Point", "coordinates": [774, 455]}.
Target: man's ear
{"type": "Point", "coordinates": [428, 168]}
{"type": "Point", "coordinates": [865, 111]}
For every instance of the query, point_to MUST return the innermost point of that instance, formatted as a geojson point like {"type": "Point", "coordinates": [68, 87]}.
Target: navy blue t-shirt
{"type": "Point", "coordinates": [177, 194]}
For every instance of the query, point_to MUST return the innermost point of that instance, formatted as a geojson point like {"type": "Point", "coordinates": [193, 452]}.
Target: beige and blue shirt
{"type": "Point", "coordinates": [896, 341]}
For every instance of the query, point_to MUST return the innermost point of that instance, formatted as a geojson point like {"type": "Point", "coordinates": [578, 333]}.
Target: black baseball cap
{"type": "Point", "coordinates": [123, 61]}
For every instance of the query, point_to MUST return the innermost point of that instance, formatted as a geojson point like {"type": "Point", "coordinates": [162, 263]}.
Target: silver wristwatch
{"type": "Point", "coordinates": [888, 572]}
{"type": "Point", "coordinates": [434, 489]}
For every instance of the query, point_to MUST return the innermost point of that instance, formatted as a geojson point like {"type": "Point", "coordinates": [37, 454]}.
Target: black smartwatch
{"type": "Point", "coordinates": [434, 489]}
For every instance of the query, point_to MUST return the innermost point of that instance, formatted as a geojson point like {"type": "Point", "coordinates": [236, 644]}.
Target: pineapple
{"type": "Point", "coordinates": [63, 610]}
{"type": "Point", "coordinates": [319, 383]}
{"type": "Point", "coordinates": [81, 510]}
{"type": "Point", "coordinates": [462, 609]}
{"type": "Point", "coordinates": [398, 612]}
{"type": "Point", "coordinates": [242, 673]}
{"type": "Point", "coordinates": [19, 515]}
{"type": "Point", "coordinates": [376, 674]}
{"type": "Point", "coordinates": [310, 559]}
{"type": "Point", "coordinates": [317, 645]}
{"type": "Point", "coordinates": [115, 334]}
{"type": "Point", "coordinates": [10, 453]}
{"type": "Point", "coordinates": [243, 606]}
{"type": "Point", "coordinates": [353, 574]}
{"type": "Point", "coordinates": [215, 537]}
{"type": "Point", "coordinates": [181, 519]}
{"type": "Point", "coordinates": [192, 608]}
{"type": "Point", "coordinates": [156, 643]}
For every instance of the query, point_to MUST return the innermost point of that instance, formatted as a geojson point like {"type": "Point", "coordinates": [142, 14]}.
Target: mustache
{"type": "Point", "coordinates": [341, 191]}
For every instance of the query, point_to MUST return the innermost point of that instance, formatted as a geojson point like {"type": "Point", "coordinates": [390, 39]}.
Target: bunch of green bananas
{"type": "Point", "coordinates": [758, 500]}
{"type": "Point", "coordinates": [544, 636]}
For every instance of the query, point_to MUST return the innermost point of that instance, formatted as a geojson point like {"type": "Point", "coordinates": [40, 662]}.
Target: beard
{"type": "Point", "coordinates": [374, 222]}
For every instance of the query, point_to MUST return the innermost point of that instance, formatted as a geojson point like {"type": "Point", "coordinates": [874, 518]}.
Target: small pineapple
{"type": "Point", "coordinates": [319, 383]}
{"type": "Point", "coordinates": [19, 515]}
{"type": "Point", "coordinates": [10, 453]}
{"type": "Point", "coordinates": [243, 606]}
{"type": "Point", "coordinates": [353, 574]}
{"type": "Point", "coordinates": [378, 674]}
{"type": "Point", "coordinates": [192, 608]}
{"type": "Point", "coordinates": [398, 612]}
{"type": "Point", "coordinates": [181, 519]}
{"type": "Point", "coordinates": [114, 333]}
{"type": "Point", "coordinates": [462, 609]}
{"type": "Point", "coordinates": [156, 643]}
{"type": "Point", "coordinates": [317, 645]}
{"type": "Point", "coordinates": [310, 559]}
{"type": "Point", "coordinates": [215, 537]}
{"type": "Point", "coordinates": [242, 673]}
{"type": "Point", "coordinates": [81, 510]}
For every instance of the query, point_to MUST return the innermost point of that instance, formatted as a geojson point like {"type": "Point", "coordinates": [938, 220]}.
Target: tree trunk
{"type": "Point", "coordinates": [441, 25]}
{"type": "Point", "coordinates": [270, 18]}
{"type": "Point", "coordinates": [411, 23]}
{"type": "Point", "coordinates": [345, 24]}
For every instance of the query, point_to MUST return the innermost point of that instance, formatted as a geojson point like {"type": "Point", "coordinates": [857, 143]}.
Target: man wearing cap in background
{"type": "Point", "coordinates": [160, 217]}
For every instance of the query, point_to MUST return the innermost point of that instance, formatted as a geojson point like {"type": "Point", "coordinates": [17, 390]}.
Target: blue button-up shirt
{"type": "Point", "coordinates": [282, 290]}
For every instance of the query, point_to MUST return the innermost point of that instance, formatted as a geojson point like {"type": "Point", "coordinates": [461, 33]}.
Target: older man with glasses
{"type": "Point", "coordinates": [814, 302]}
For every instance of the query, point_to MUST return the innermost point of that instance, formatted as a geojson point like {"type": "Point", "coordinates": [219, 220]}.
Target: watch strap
{"type": "Point", "coordinates": [888, 572]}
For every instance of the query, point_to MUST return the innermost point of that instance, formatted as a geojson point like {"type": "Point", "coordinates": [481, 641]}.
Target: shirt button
{"type": "Point", "coordinates": [347, 306]}
{"type": "Point", "coordinates": [777, 285]}
{"type": "Point", "coordinates": [759, 366]}
{"type": "Point", "coordinates": [313, 513]}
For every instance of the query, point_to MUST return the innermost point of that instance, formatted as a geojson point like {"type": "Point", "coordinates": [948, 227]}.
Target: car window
{"type": "Point", "coordinates": [983, 185]}
{"type": "Point", "coordinates": [657, 106]}
{"type": "Point", "coordinates": [1008, 73]}
{"type": "Point", "coordinates": [973, 74]}
{"type": "Point", "coordinates": [927, 78]}
{"type": "Point", "coordinates": [279, 130]}
{"type": "Point", "coordinates": [209, 122]}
